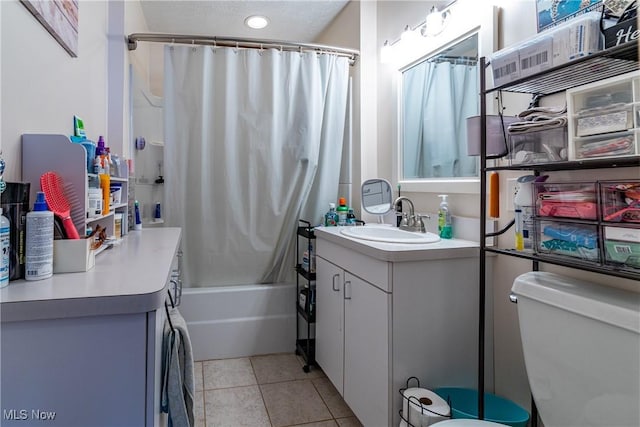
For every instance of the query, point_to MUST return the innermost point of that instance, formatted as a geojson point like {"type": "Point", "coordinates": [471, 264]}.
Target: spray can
{"type": "Point", "coordinates": [39, 241]}
{"type": "Point", "coordinates": [5, 248]}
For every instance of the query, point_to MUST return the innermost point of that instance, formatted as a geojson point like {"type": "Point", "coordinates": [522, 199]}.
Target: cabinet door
{"type": "Point", "coordinates": [330, 321]}
{"type": "Point", "coordinates": [366, 351]}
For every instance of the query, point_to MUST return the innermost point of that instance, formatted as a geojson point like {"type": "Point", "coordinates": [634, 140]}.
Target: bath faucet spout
{"type": "Point", "coordinates": [410, 221]}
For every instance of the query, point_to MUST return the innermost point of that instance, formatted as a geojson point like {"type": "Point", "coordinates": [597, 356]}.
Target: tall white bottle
{"type": "Point", "coordinates": [39, 241]}
{"type": "Point", "coordinates": [4, 248]}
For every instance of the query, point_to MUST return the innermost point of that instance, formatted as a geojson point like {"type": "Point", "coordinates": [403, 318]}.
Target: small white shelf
{"type": "Point", "coordinates": [49, 152]}
{"type": "Point", "coordinates": [98, 218]}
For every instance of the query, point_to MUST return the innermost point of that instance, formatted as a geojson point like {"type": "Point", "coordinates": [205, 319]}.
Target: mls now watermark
{"type": "Point", "coordinates": [25, 414]}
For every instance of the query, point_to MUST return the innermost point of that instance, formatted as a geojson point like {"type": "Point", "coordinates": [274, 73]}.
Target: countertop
{"type": "Point", "coordinates": [400, 252]}
{"type": "Point", "coordinates": [130, 277]}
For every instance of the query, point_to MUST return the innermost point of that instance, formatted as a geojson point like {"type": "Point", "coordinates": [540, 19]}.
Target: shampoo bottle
{"type": "Point", "coordinates": [343, 210]}
{"type": "Point", "coordinates": [4, 246]}
{"type": "Point", "coordinates": [39, 241]}
{"type": "Point", "coordinates": [138, 221]}
{"type": "Point", "coordinates": [444, 218]}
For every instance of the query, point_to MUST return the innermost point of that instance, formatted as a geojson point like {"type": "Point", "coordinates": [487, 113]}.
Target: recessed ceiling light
{"type": "Point", "coordinates": [256, 22]}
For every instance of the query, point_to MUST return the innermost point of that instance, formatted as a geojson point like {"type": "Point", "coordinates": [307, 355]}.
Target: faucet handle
{"type": "Point", "coordinates": [419, 218]}
{"type": "Point", "coordinates": [405, 219]}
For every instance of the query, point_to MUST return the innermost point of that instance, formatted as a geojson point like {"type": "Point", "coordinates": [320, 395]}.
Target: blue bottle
{"type": "Point", "coordinates": [331, 217]}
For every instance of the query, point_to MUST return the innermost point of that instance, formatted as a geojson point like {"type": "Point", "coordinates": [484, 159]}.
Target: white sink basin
{"type": "Point", "coordinates": [389, 235]}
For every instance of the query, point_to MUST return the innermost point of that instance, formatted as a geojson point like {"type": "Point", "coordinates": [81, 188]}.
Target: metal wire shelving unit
{"type": "Point", "coordinates": [604, 64]}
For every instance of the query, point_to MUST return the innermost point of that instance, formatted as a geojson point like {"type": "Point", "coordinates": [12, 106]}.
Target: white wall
{"type": "Point", "coordinates": [345, 31]}
{"type": "Point", "coordinates": [43, 87]}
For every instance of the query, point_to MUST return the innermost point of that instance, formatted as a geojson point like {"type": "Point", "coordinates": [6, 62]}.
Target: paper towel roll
{"type": "Point", "coordinates": [422, 408]}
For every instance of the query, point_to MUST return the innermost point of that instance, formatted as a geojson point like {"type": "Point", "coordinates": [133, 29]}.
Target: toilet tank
{"type": "Point", "coordinates": [581, 344]}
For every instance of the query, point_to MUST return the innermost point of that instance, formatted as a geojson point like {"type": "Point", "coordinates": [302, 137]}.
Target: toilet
{"type": "Point", "coordinates": [581, 344]}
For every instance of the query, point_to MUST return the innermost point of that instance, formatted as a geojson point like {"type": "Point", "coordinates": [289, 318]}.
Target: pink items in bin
{"type": "Point", "coordinates": [567, 200]}
{"type": "Point", "coordinates": [620, 201]}
{"type": "Point", "coordinates": [582, 210]}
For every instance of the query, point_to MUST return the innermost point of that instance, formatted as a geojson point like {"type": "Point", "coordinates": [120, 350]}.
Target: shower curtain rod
{"type": "Point", "coordinates": [133, 39]}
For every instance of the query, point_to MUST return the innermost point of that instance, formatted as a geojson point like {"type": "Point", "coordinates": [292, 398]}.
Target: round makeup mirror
{"type": "Point", "coordinates": [376, 196]}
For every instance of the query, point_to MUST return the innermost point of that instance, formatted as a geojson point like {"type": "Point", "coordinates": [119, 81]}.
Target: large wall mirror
{"type": "Point", "coordinates": [436, 93]}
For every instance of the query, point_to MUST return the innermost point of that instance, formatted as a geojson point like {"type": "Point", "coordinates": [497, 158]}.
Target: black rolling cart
{"type": "Point", "coordinates": [305, 293]}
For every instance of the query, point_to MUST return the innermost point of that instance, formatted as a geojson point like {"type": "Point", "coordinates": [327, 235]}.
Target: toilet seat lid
{"type": "Point", "coordinates": [463, 422]}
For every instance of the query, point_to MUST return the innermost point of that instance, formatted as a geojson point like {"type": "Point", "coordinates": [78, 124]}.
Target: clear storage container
{"type": "Point", "coordinates": [544, 146]}
{"type": "Point", "coordinates": [566, 200]}
{"type": "Point", "coordinates": [620, 201]}
{"type": "Point", "coordinates": [568, 239]}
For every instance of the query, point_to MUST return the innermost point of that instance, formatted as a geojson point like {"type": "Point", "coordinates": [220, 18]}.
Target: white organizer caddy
{"type": "Point", "coordinates": [604, 118]}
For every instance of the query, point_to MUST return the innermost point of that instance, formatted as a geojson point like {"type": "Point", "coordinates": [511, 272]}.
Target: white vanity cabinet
{"type": "Point", "coordinates": [352, 340]}
{"type": "Point", "coordinates": [85, 349]}
{"type": "Point", "coordinates": [386, 312]}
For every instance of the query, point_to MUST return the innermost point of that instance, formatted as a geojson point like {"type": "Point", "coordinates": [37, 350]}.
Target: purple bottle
{"type": "Point", "coordinates": [100, 148]}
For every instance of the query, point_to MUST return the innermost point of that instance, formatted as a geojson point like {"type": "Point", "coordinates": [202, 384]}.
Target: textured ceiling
{"type": "Point", "coordinates": [294, 20]}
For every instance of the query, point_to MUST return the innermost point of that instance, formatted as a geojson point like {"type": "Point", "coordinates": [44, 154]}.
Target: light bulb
{"type": "Point", "coordinates": [434, 23]}
{"type": "Point", "coordinates": [256, 21]}
{"type": "Point", "coordinates": [408, 35]}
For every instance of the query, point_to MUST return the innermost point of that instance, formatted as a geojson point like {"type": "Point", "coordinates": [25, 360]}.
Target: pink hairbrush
{"type": "Point", "coordinates": [52, 187]}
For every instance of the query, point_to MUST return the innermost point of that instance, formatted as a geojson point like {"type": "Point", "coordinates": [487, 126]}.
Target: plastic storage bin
{"type": "Point", "coordinates": [567, 239]}
{"type": "Point", "coordinates": [620, 201]}
{"type": "Point", "coordinates": [601, 118]}
{"type": "Point", "coordinates": [497, 135]}
{"type": "Point", "coordinates": [544, 146]}
{"type": "Point", "coordinates": [622, 246]}
{"type": "Point", "coordinates": [505, 65]}
{"type": "Point", "coordinates": [464, 404]}
{"type": "Point", "coordinates": [566, 200]}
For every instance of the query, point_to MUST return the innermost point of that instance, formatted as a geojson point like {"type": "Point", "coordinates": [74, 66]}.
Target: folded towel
{"type": "Point", "coordinates": [539, 118]}
{"type": "Point", "coordinates": [177, 372]}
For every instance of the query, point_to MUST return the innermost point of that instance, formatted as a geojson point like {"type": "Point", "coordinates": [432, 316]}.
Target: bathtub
{"type": "Point", "coordinates": [240, 320]}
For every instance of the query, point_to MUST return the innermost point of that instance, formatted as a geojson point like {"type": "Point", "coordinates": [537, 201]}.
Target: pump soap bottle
{"type": "Point", "coordinates": [444, 219]}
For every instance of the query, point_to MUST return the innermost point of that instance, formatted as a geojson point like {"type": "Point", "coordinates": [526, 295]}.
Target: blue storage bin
{"type": "Point", "coordinates": [464, 404]}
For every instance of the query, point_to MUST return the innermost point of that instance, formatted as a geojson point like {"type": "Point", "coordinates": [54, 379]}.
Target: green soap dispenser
{"type": "Point", "coordinates": [444, 218]}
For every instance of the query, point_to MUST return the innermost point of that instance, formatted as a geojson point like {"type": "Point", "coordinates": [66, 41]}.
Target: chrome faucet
{"type": "Point", "coordinates": [410, 221]}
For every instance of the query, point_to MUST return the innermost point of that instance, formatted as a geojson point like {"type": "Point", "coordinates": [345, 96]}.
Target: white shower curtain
{"type": "Point", "coordinates": [248, 134]}
{"type": "Point", "coordinates": [438, 98]}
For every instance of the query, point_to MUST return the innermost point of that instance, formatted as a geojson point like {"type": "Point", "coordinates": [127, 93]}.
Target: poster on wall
{"type": "Point", "coordinates": [60, 18]}
{"type": "Point", "coordinates": [552, 12]}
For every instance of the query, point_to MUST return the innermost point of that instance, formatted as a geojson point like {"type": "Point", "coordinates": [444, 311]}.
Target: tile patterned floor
{"type": "Point", "coordinates": [267, 391]}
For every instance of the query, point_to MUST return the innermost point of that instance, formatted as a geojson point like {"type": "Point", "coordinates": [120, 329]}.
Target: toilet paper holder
{"type": "Point", "coordinates": [421, 402]}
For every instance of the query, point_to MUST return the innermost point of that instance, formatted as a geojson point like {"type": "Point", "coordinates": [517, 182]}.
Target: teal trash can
{"type": "Point", "coordinates": [464, 404]}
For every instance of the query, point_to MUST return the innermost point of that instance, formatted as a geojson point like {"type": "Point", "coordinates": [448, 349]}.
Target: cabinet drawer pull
{"type": "Point", "coordinates": [333, 282]}
{"type": "Point", "coordinates": [348, 282]}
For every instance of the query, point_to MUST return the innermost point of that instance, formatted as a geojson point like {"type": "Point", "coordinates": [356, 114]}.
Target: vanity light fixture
{"type": "Point", "coordinates": [435, 22]}
{"type": "Point", "coordinates": [256, 21]}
